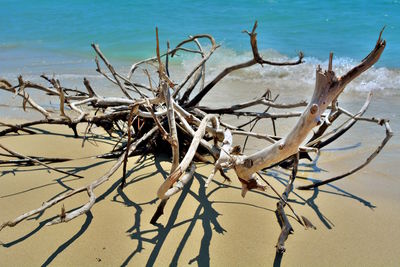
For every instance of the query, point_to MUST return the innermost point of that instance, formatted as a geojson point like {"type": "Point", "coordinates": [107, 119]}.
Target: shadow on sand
{"type": "Point", "coordinates": [205, 214]}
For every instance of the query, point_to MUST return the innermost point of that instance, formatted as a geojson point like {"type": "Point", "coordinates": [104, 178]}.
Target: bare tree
{"type": "Point", "coordinates": [167, 113]}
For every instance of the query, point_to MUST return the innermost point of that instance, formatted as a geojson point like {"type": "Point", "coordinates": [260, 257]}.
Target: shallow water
{"type": "Point", "coordinates": [126, 29]}
{"type": "Point", "coordinates": [54, 38]}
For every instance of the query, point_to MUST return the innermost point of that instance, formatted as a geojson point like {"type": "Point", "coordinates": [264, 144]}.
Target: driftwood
{"type": "Point", "coordinates": [150, 117]}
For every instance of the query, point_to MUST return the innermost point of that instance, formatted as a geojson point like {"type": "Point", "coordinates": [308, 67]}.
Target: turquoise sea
{"type": "Point", "coordinates": [55, 36]}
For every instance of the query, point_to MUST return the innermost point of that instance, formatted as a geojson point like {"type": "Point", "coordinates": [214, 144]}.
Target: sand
{"type": "Point", "coordinates": [356, 218]}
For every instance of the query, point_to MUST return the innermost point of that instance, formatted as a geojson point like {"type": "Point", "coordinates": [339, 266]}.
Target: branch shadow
{"type": "Point", "coordinates": [311, 201]}
{"type": "Point", "coordinates": [95, 137]}
{"type": "Point", "coordinates": [278, 259]}
{"type": "Point", "coordinates": [61, 181]}
{"type": "Point", "coordinates": [204, 213]}
{"type": "Point", "coordinates": [87, 222]}
{"type": "Point", "coordinates": [84, 227]}
{"type": "Point", "coordinates": [61, 248]}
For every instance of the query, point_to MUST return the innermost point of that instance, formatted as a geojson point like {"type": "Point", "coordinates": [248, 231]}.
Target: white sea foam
{"type": "Point", "coordinates": [303, 76]}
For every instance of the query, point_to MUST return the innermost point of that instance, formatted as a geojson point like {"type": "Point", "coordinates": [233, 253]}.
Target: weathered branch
{"type": "Point", "coordinates": [256, 59]}
{"type": "Point", "coordinates": [184, 164]}
{"type": "Point", "coordinates": [327, 88]}
{"type": "Point", "coordinates": [287, 228]}
{"type": "Point", "coordinates": [389, 134]}
{"type": "Point", "coordinates": [258, 101]}
{"type": "Point", "coordinates": [111, 68]}
{"type": "Point", "coordinates": [12, 152]}
{"type": "Point", "coordinates": [68, 194]}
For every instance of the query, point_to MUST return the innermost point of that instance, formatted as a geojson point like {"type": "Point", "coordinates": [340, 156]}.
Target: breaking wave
{"type": "Point", "coordinates": [380, 79]}
{"type": "Point", "coordinates": [71, 71]}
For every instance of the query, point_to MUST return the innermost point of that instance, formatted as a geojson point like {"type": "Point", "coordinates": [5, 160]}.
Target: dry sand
{"type": "Point", "coordinates": [357, 218]}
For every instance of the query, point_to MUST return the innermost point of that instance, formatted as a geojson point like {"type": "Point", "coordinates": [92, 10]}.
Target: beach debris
{"type": "Point", "coordinates": [165, 115]}
{"type": "Point", "coordinates": [62, 215]}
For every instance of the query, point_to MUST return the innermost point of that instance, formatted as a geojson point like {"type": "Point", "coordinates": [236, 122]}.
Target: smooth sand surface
{"type": "Point", "coordinates": [357, 218]}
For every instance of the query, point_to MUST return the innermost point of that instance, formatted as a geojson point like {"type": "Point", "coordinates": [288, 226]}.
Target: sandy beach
{"type": "Point", "coordinates": [356, 218]}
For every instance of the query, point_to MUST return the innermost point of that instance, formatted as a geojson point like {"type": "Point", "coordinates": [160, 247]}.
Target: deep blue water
{"type": "Point", "coordinates": [125, 29]}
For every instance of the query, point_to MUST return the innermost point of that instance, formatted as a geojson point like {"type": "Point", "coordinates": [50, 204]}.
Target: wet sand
{"type": "Point", "coordinates": [356, 218]}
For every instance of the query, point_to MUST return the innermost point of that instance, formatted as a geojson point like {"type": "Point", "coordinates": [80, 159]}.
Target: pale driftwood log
{"type": "Point", "coordinates": [65, 217]}
{"type": "Point", "coordinates": [179, 170]}
{"type": "Point", "coordinates": [184, 164]}
{"type": "Point", "coordinates": [172, 126]}
{"type": "Point", "coordinates": [178, 186]}
{"type": "Point", "coordinates": [20, 91]}
{"type": "Point", "coordinates": [225, 158]}
{"type": "Point", "coordinates": [164, 89]}
{"type": "Point", "coordinates": [327, 88]}
{"type": "Point", "coordinates": [214, 151]}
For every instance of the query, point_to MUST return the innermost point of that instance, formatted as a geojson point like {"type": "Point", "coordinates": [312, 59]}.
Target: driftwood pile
{"type": "Point", "coordinates": [154, 115]}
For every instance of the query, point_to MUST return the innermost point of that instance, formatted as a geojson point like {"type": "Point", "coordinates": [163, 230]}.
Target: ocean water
{"type": "Point", "coordinates": [55, 36]}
